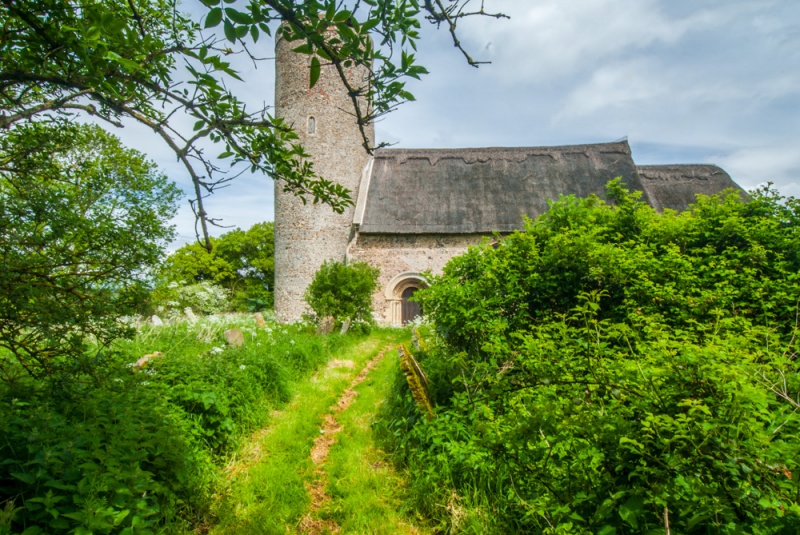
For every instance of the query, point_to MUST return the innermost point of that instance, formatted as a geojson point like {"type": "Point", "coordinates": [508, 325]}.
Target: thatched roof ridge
{"type": "Point", "coordinates": [455, 191]}
{"type": "Point", "coordinates": [675, 186]}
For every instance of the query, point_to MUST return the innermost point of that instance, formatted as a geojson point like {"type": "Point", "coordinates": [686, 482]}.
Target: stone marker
{"type": "Point", "coordinates": [156, 321]}
{"type": "Point", "coordinates": [234, 337]}
{"type": "Point", "coordinates": [325, 325]}
{"type": "Point", "coordinates": [190, 315]}
{"type": "Point", "coordinates": [260, 320]}
{"type": "Point", "coordinates": [345, 327]}
{"type": "Point", "coordinates": [415, 339]}
{"type": "Point", "coordinates": [142, 362]}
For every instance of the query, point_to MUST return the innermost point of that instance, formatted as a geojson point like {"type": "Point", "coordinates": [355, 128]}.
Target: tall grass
{"type": "Point", "coordinates": [137, 450]}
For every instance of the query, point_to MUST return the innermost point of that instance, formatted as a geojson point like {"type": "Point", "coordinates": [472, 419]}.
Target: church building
{"type": "Point", "coordinates": [415, 209]}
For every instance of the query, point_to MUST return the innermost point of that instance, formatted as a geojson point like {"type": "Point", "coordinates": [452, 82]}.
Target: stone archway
{"type": "Point", "coordinates": [398, 291]}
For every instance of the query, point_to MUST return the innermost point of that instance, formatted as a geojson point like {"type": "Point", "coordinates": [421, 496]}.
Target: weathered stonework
{"type": "Point", "coordinates": [402, 259]}
{"type": "Point", "coordinates": [308, 234]}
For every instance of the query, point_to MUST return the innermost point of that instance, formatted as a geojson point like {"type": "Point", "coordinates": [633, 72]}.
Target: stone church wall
{"type": "Point", "coordinates": [402, 258]}
{"type": "Point", "coordinates": [308, 234]}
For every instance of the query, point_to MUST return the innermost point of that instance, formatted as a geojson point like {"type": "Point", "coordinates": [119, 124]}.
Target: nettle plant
{"type": "Point", "coordinates": [615, 370]}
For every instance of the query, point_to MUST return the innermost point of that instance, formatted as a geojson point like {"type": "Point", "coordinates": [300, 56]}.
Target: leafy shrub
{"type": "Point", "coordinates": [82, 218]}
{"type": "Point", "coordinates": [240, 261]}
{"type": "Point", "coordinates": [117, 460]}
{"type": "Point", "coordinates": [613, 370]}
{"type": "Point", "coordinates": [136, 451]}
{"type": "Point", "coordinates": [343, 291]}
{"type": "Point", "coordinates": [202, 297]}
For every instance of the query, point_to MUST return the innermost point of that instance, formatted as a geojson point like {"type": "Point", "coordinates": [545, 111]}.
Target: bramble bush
{"type": "Point", "coordinates": [614, 370]}
{"type": "Point", "coordinates": [138, 452]}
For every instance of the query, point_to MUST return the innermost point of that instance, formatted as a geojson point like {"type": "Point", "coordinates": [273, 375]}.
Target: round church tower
{"type": "Point", "coordinates": [308, 234]}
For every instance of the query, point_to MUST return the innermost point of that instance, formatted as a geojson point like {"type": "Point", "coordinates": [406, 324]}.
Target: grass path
{"type": "Point", "coordinates": [274, 486]}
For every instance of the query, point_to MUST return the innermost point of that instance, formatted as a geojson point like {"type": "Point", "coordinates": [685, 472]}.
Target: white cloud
{"type": "Point", "coordinates": [549, 39]}
{"type": "Point", "coordinates": [779, 164]}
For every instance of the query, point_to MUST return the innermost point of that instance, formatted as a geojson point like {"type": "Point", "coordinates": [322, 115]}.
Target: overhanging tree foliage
{"type": "Point", "coordinates": [82, 220]}
{"type": "Point", "coordinates": [126, 60]}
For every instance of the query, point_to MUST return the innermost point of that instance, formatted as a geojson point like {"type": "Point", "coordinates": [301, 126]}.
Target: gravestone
{"type": "Point", "coordinates": [325, 325]}
{"type": "Point", "coordinates": [234, 337]}
{"type": "Point", "coordinates": [260, 320]}
{"type": "Point", "coordinates": [142, 362]}
{"type": "Point", "coordinates": [345, 327]}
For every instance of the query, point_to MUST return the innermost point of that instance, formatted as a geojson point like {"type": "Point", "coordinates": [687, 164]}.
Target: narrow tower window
{"type": "Point", "coordinates": [312, 125]}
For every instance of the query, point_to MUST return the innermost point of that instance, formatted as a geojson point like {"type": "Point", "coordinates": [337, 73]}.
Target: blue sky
{"type": "Point", "coordinates": [703, 81]}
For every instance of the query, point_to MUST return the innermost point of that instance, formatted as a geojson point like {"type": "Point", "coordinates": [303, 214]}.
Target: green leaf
{"type": "Point", "coordinates": [230, 31]}
{"type": "Point", "coordinates": [128, 64]}
{"type": "Point", "coordinates": [342, 16]}
{"type": "Point", "coordinates": [305, 48]}
{"type": "Point", "coordinates": [24, 477]}
{"type": "Point", "coordinates": [119, 517]}
{"type": "Point", "coordinates": [214, 17]}
{"type": "Point", "coordinates": [314, 71]}
{"type": "Point", "coordinates": [237, 16]}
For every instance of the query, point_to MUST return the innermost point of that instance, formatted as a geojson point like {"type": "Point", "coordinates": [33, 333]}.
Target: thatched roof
{"type": "Point", "coordinates": [477, 191]}
{"type": "Point", "coordinates": [675, 186]}
{"type": "Point", "coordinates": [456, 191]}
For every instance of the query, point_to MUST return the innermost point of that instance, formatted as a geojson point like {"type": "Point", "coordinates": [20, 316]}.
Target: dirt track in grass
{"type": "Point", "coordinates": [311, 523]}
{"type": "Point", "coordinates": [316, 467]}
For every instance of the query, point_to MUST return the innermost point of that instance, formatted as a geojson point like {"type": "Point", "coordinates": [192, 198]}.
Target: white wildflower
{"type": "Point", "coordinates": [242, 367]}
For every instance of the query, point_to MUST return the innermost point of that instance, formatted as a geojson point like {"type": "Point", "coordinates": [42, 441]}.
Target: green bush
{"type": "Point", "coordinates": [110, 461]}
{"type": "Point", "coordinates": [202, 297]}
{"type": "Point", "coordinates": [139, 451]}
{"type": "Point", "coordinates": [343, 291]}
{"type": "Point", "coordinates": [82, 221]}
{"type": "Point", "coordinates": [241, 262]}
{"type": "Point", "coordinates": [610, 367]}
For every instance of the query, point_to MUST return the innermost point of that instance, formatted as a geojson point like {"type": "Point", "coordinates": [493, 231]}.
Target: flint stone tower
{"type": "Point", "coordinates": [306, 235]}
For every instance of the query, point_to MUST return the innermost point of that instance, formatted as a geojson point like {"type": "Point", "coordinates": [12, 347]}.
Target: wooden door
{"type": "Point", "coordinates": [409, 309]}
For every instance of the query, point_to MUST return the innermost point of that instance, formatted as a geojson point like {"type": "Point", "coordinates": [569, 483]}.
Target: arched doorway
{"type": "Point", "coordinates": [409, 310]}
{"type": "Point", "coordinates": [398, 292]}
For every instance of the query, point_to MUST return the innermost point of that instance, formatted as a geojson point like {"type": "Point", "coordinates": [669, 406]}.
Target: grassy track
{"type": "Point", "coordinates": [367, 495]}
{"type": "Point", "coordinates": [266, 487]}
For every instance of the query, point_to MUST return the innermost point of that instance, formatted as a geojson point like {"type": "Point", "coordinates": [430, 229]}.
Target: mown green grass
{"type": "Point", "coordinates": [265, 488]}
{"type": "Point", "coordinates": [368, 495]}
